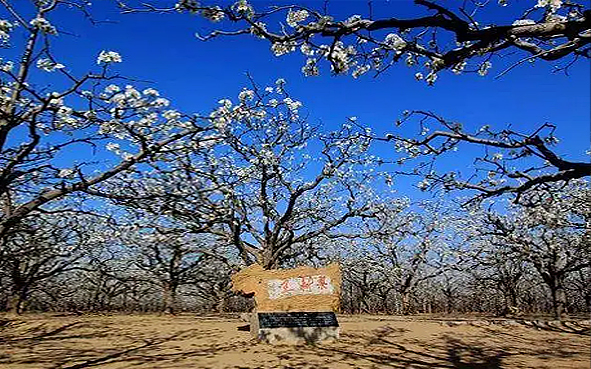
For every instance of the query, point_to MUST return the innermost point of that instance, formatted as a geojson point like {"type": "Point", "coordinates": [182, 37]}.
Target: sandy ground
{"type": "Point", "coordinates": [158, 342]}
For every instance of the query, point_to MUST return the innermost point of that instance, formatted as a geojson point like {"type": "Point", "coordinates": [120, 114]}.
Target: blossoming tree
{"type": "Point", "coordinates": [460, 38]}
{"type": "Point", "coordinates": [552, 237]}
{"type": "Point", "coordinates": [547, 30]}
{"type": "Point", "coordinates": [40, 125]}
{"type": "Point", "coordinates": [251, 184]}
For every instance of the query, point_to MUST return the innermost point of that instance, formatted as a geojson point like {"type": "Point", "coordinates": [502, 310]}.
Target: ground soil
{"type": "Point", "coordinates": [188, 341]}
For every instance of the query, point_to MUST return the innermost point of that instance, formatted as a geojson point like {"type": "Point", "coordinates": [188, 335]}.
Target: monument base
{"type": "Point", "coordinates": [294, 327]}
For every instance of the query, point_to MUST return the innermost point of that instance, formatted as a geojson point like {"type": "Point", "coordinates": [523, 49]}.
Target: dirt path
{"type": "Point", "coordinates": [159, 342]}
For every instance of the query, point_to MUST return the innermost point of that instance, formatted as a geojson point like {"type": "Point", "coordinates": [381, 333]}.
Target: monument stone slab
{"type": "Point", "coordinates": [292, 305]}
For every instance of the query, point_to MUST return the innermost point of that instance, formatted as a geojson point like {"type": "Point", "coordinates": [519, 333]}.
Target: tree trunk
{"type": "Point", "coordinates": [558, 301]}
{"type": "Point", "coordinates": [169, 291]}
{"type": "Point", "coordinates": [16, 304]}
{"type": "Point", "coordinates": [221, 303]}
{"type": "Point", "coordinates": [405, 300]}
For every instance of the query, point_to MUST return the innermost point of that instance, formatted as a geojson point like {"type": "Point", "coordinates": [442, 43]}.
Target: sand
{"type": "Point", "coordinates": [188, 341]}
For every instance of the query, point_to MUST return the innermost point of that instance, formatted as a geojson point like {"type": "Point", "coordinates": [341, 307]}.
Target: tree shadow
{"type": "Point", "coordinates": [306, 335]}
{"type": "Point", "coordinates": [384, 347]}
{"type": "Point", "coordinates": [385, 352]}
{"type": "Point", "coordinates": [40, 334]}
{"type": "Point", "coordinates": [467, 356]}
{"type": "Point", "coordinates": [558, 326]}
{"type": "Point", "coordinates": [110, 358]}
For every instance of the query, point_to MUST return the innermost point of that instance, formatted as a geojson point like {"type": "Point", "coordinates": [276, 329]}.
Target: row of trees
{"type": "Point", "coordinates": [112, 199]}
{"type": "Point", "coordinates": [409, 257]}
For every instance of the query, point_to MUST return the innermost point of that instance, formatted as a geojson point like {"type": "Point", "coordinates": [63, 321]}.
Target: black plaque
{"type": "Point", "coordinates": [297, 319]}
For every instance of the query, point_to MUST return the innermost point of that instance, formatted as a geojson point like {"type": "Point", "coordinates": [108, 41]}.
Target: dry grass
{"type": "Point", "coordinates": [158, 342]}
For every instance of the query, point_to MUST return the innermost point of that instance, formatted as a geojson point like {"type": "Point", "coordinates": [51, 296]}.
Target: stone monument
{"type": "Point", "coordinates": [292, 305]}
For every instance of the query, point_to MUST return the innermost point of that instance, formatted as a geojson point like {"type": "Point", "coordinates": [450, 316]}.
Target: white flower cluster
{"type": "Point", "coordinates": [484, 67]}
{"type": "Point", "coordinates": [553, 5]}
{"type": "Point", "coordinates": [67, 173]}
{"type": "Point", "coordinates": [145, 106]}
{"type": "Point", "coordinates": [48, 65]}
{"type": "Point", "coordinates": [214, 14]}
{"type": "Point", "coordinates": [5, 96]}
{"type": "Point", "coordinates": [245, 95]}
{"type": "Point", "coordinates": [6, 66]}
{"type": "Point", "coordinates": [64, 118]}
{"type": "Point", "coordinates": [254, 110]}
{"type": "Point", "coordinates": [307, 50]}
{"type": "Point", "coordinates": [424, 184]}
{"type": "Point", "coordinates": [242, 7]}
{"type": "Point", "coordinates": [107, 57]}
{"type": "Point", "coordinates": [459, 68]}
{"type": "Point", "coordinates": [340, 56]}
{"type": "Point", "coordinates": [497, 157]}
{"type": "Point", "coordinates": [354, 18]}
{"type": "Point", "coordinates": [295, 17]}
{"type": "Point", "coordinates": [282, 48]}
{"type": "Point", "coordinates": [551, 140]}
{"type": "Point", "coordinates": [44, 26]}
{"type": "Point", "coordinates": [361, 70]}
{"type": "Point", "coordinates": [395, 42]}
{"type": "Point", "coordinates": [5, 29]}
{"type": "Point", "coordinates": [310, 68]}
{"type": "Point", "coordinates": [431, 78]}
{"type": "Point", "coordinates": [292, 105]}
{"type": "Point", "coordinates": [259, 29]}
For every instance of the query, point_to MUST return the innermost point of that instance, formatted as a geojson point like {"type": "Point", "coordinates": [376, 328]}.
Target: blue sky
{"type": "Point", "coordinates": [194, 75]}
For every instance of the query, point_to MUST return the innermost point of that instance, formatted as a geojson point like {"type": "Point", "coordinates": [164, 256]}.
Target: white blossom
{"type": "Point", "coordinates": [112, 146]}
{"type": "Point", "coordinates": [246, 94]}
{"type": "Point", "coordinates": [66, 173]}
{"type": "Point", "coordinates": [108, 57]}
{"type": "Point", "coordinates": [497, 157]}
{"type": "Point", "coordinates": [295, 17]}
{"type": "Point", "coordinates": [360, 70]}
{"type": "Point", "coordinates": [242, 7]}
{"type": "Point", "coordinates": [151, 92]}
{"type": "Point", "coordinates": [171, 115]}
{"type": "Point", "coordinates": [259, 29]}
{"type": "Point", "coordinates": [161, 102]}
{"type": "Point", "coordinates": [484, 67]}
{"type": "Point", "coordinates": [112, 89]}
{"type": "Point", "coordinates": [282, 48]}
{"type": "Point", "coordinates": [354, 18]}
{"type": "Point", "coordinates": [310, 68]}
{"type": "Point", "coordinates": [395, 41]}
{"type": "Point", "coordinates": [43, 25]}
{"type": "Point", "coordinates": [214, 14]}
{"type": "Point", "coordinates": [5, 29]}
{"type": "Point", "coordinates": [48, 65]}
{"type": "Point", "coordinates": [423, 185]}
{"type": "Point", "coordinates": [431, 78]}
{"type": "Point", "coordinates": [307, 50]}
{"type": "Point", "coordinates": [459, 68]}
{"type": "Point", "coordinates": [554, 5]}
{"type": "Point", "coordinates": [6, 66]}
